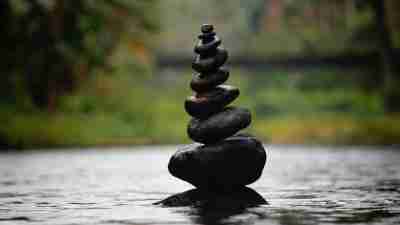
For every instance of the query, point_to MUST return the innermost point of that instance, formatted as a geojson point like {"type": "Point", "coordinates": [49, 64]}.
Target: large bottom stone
{"type": "Point", "coordinates": [219, 126]}
{"type": "Point", "coordinates": [223, 166]}
{"type": "Point", "coordinates": [240, 198]}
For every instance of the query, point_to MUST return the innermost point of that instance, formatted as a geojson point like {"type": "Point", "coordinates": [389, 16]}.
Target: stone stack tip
{"type": "Point", "coordinates": [207, 28]}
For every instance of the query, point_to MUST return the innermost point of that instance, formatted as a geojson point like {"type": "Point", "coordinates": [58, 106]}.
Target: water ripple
{"type": "Point", "coordinates": [303, 186]}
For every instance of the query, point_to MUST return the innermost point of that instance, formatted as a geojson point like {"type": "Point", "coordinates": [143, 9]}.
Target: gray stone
{"type": "Point", "coordinates": [205, 82]}
{"type": "Point", "coordinates": [219, 126]}
{"type": "Point", "coordinates": [224, 166]}
{"type": "Point", "coordinates": [208, 103]}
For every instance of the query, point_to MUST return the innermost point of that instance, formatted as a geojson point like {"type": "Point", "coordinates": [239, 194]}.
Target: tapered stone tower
{"type": "Point", "coordinates": [222, 160]}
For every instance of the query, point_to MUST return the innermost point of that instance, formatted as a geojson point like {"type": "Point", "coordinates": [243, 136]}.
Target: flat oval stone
{"type": "Point", "coordinates": [210, 64]}
{"type": "Point", "coordinates": [205, 48]}
{"type": "Point", "coordinates": [207, 37]}
{"type": "Point", "coordinates": [223, 166]}
{"type": "Point", "coordinates": [207, 28]}
{"type": "Point", "coordinates": [208, 103]}
{"type": "Point", "coordinates": [219, 126]}
{"type": "Point", "coordinates": [202, 83]}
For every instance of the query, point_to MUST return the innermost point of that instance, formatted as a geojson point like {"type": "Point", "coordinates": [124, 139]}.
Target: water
{"type": "Point", "coordinates": [303, 185]}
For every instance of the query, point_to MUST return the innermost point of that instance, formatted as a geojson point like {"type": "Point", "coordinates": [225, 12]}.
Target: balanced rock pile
{"type": "Point", "coordinates": [222, 160]}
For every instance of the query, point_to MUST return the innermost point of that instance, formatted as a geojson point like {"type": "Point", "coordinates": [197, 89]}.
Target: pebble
{"type": "Point", "coordinates": [208, 48]}
{"type": "Point", "coordinates": [210, 64]}
{"type": "Point", "coordinates": [205, 82]}
{"type": "Point", "coordinates": [211, 102]}
{"type": "Point", "coordinates": [219, 126]}
{"type": "Point", "coordinates": [207, 28]}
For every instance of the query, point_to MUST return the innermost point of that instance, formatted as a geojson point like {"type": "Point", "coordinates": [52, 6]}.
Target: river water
{"type": "Point", "coordinates": [303, 185]}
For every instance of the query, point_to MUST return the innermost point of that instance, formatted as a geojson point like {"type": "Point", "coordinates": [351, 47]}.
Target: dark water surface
{"type": "Point", "coordinates": [303, 185]}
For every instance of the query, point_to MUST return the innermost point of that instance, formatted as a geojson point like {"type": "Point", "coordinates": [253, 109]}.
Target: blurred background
{"type": "Point", "coordinates": [116, 72]}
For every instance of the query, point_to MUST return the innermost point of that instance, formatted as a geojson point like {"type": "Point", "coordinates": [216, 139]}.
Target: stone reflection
{"type": "Point", "coordinates": [239, 198]}
{"type": "Point", "coordinates": [216, 208]}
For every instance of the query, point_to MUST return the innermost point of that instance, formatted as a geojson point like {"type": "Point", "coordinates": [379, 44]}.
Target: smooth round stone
{"type": "Point", "coordinates": [212, 63]}
{"type": "Point", "coordinates": [208, 103]}
{"type": "Point", "coordinates": [207, 37]}
{"type": "Point", "coordinates": [222, 167]}
{"type": "Point", "coordinates": [205, 82]}
{"type": "Point", "coordinates": [207, 48]}
{"type": "Point", "coordinates": [207, 28]}
{"type": "Point", "coordinates": [237, 199]}
{"type": "Point", "coordinates": [219, 126]}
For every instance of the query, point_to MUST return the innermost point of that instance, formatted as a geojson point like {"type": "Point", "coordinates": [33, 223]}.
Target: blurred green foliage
{"type": "Point", "coordinates": [306, 27]}
{"type": "Point", "coordinates": [286, 108]}
{"type": "Point", "coordinates": [81, 73]}
{"type": "Point", "coordinates": [49, 47]}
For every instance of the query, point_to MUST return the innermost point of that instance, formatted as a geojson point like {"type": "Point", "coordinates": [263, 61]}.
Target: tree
{"type": "Point", "coordinates": [49, 46]}
{"type": "Point", "coordinates": [273, 15]}
{"type": "Point", "coordinates": [388, 58]}
{"type": "Point", "coordinates": [389, 67]}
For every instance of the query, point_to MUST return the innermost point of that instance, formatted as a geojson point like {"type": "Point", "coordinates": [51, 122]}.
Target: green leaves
{"type": "Point", "coordinates": [53, 45]}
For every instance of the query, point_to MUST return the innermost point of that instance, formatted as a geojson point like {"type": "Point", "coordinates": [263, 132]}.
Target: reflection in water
{"type": "Point", "coordinates": [381, 207]}
{"type": "Point", "coordinates": [302, 185]}
{"type": "Point", "coordinates": [216, 216]}
{"type": "Point", "coordinates": [243, 197]}
{"type": "Point", "coordinates": [20, 218]}
{"type": "Point", "coordinates": [215, 208]}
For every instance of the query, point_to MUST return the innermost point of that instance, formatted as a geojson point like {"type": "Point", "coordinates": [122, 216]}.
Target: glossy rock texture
{"type": "Point", "coordinates": [211, 102]}
{"type": "Point", "coordinates": [208, 48]}
{"type": "Point", "coordinates": [210, 63]}
{"type": "Point", "coordinates": [219, 126]}
{"type": "Point", "coordinates": [223, 166]}
{"type": "Point", "coordinates": [205, 82]}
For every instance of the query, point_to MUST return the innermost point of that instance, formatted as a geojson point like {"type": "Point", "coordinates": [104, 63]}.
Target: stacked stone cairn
{"type": "Point", "coordinates": [221, 161]}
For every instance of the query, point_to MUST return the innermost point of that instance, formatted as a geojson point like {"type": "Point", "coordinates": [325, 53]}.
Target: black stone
{"type": "Point", "coordinates": [240, 198]}
{"type": "Point", "coordinates": [219, 126]}
{"type": "Point", "coordinates": [208, 103]}
{"type": "Point", "coordinates": [209, 48]}
{"type": "Point", "coordinates": [207, 37]}
{"type": "Point", "coordinates": [207, 28]}
{"type": "Point", "coordinates": [225, 163]}
{"type": "Point", "coordinates": [212, 63]}
{"type": "Point", "coordinates": [202, 83]}
{"type": "Point", "coordinates": [222, 167]}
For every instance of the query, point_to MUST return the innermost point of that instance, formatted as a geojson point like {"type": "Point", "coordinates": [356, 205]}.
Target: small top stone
{"type": "Point", "coordinates": [207, 28]}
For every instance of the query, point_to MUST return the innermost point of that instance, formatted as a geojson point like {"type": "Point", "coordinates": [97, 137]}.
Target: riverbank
{"type": "Point", "coordinates": [62, 130]}
{"type": "Point", "coordinates": [127, 110]}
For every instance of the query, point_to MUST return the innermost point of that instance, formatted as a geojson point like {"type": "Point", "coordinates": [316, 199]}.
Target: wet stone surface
{"type": "Point", "coordinates": [205, 82]}
{"type": "Point", "coordinates": [223, 163]}
{"type": "Point", "coordinates": [207, 104]}
{"type": "Point", "coordinates": [210, 64]}
{"type": "Point", "coordinates": [221, 167]}
{"type": "Point", "coordinates": [303, 185]}
{"type": "Point", "coordinates": [219, 126]}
